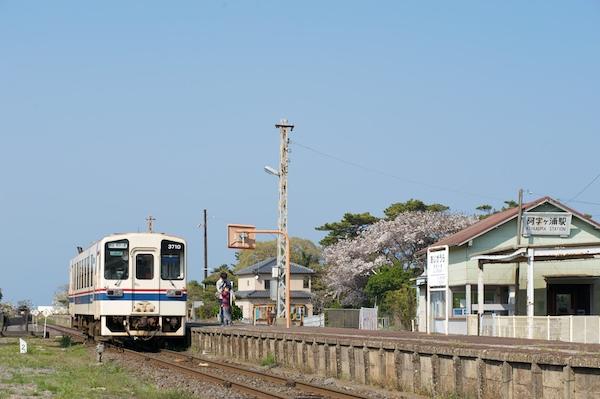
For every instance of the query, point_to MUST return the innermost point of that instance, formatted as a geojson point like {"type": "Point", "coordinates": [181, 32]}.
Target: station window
{"type": "Point", "coordinates": [306, 282]}
{"type": "Point", "coordinates": [267, 284]}
{"type": "Point", "coordinates": [116, 260]}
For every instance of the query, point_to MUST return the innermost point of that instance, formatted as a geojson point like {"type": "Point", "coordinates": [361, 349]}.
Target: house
{"type": "Point", "coordinates": [257, 290]}
{"type": "Point", "coordinates": [548, 266]}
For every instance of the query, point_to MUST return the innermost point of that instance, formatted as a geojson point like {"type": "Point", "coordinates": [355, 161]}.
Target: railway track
{"type": "Point", "coordinates": [316, 390]}
{"type": "Point", "coordinates": [175, 361]}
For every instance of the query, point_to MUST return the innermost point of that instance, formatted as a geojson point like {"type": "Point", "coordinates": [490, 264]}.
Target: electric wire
{"type": "Point", "coordinates": [585, 188]}
{"type": "Point", "coordinates": [387, 174]}
{"type": "Point", "coordinates": [529, 192]}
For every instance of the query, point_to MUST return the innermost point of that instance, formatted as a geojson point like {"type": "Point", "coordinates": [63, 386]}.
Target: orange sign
{"type": "Point", "coordinates": [241, 236]}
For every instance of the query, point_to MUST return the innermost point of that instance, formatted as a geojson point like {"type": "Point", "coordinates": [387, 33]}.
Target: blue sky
{"type": "Point", "coordinates": [110, 111]}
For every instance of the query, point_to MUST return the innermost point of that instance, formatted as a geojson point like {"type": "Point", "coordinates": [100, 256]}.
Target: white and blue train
{"type": "Point", "coordinates": [130, 285]}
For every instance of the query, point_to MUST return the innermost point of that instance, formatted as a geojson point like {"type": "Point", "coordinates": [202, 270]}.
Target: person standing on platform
{"type": "Point", "coordinates": [222, 282]}
{"type": "Point", "coordinates": [226, 307]}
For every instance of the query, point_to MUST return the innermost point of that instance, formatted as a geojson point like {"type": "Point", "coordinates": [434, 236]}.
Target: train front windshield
{"type": "Point", "coordinates": [171, 260]}
{"type": "Point", "coordinates": [116, 263]}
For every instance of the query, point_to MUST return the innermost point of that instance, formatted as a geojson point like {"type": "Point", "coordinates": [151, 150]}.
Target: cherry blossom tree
{"type": "Point", "coordinates": [387, 242]}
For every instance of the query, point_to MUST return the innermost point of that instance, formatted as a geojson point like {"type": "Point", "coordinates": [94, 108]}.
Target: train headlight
{"type": "Point", "coordinates": [174, 293]}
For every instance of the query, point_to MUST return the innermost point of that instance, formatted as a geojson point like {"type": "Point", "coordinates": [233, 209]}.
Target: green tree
{"type": "Point", "coordinates": [302, 252]}
{"type": "Point", "coordinates": [0, 294]}
{"type": "Point", "coordinates": [412, 205]}
{"type": "Point", "coordinates": [401, 305]}
{"type": "Point", "coordinates": [509, 204]}
{"type": "Point", "coordinates": [387, 278]}
{"type": "Point", "coordinates": [350, 226]}
{"type": "Point", "coordinates": [391, 289]}
{"type": "Point", "coordinates": [486, 209]}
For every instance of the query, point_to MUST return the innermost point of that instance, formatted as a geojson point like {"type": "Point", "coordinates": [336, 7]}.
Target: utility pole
{"type": "Point", "coordinates": [205, 248]}
{"type": "Point", "coordinates": [282, 248]}
{"type": "Point", "coordinates": [520, 217]}
{"type": "Point", "coordinates": [150, 220]}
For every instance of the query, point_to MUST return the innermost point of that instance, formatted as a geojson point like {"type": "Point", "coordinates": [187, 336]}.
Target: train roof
{"type": "Point", "coordinates": [115, 235]}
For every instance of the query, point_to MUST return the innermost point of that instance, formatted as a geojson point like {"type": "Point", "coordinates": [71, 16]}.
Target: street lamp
{"type": "Point", "coordinates": [272, 171]}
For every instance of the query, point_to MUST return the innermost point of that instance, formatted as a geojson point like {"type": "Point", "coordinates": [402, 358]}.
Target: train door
{"type": "Point", "coordinates": [145, 293]}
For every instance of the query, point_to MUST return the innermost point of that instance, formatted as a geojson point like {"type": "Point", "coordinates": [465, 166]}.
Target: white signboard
{"type": "Point", "coordinates": [437, 268]}
{"type": "Point", "coordinates": [546, 224]}
{"type": "Point", "coordinates": [22, 345]}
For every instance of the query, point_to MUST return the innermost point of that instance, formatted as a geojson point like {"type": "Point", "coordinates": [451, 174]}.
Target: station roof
{"type": "Point", "coordinates": [497, 219]}
{"type": "Point", "coordinates": [267, 265]}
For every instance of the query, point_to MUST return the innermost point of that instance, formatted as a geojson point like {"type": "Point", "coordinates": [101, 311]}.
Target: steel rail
{"type": "Point", "coordinates": [237, 386]}
{"type": "Point", "coordinates": [67, 330]}
{"type": "Point", "coordinates": [303, 386]}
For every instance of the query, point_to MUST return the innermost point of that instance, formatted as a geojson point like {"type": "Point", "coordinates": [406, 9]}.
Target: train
{"type": "Point", "coordinates": [130, 286]}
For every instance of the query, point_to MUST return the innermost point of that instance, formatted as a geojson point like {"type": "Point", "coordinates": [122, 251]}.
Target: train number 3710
{"type": "Point", "coordinates": [174, 246]}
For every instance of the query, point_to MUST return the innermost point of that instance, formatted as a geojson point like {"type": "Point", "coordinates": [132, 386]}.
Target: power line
{"type": "Point", "coordinates": [585, 188]}
{"type": "Point", "coordinates": [571, 200]}
{"type": "Point", "coordinates": [387, 174]}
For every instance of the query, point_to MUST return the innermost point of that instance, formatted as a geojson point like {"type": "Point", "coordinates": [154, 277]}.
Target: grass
{"type": "Point", "coordinates": [69, 372]}
{"type": "Point", "coordinates": [268, 360]}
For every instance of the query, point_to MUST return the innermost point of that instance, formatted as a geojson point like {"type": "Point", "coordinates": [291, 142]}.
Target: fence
{"type": "Point", "coordinates": [585, 329]}
{"type": "Point", "coordinates": [363, 318]}
{"type": "Point", "coordinates": [314, 321]}
{"type": "Point", "coordinates": [367, 319]}
{"type": "Point", "coordinates": [342, 318]}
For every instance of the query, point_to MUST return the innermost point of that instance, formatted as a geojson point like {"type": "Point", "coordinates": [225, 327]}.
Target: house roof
{"type": "Point", "coordinates": [261, 294]}
{"type": "Point", "coordinates": [497, 219]}
{"type": "Point", "coordinates": [267, 265]}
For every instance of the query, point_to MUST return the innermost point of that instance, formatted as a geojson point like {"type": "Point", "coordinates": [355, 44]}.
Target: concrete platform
{"type": "Point", "coordinates": [471, 366]}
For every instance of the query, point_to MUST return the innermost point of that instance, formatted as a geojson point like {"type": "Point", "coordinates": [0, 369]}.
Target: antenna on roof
{"type": "Point", "coordinates": [150, 219]}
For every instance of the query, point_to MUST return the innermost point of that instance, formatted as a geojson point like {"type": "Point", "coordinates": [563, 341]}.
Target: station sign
{"type": "Point", "coordinates": [437, 268]}
{"type": "Point", "coordinates": [546, 224]}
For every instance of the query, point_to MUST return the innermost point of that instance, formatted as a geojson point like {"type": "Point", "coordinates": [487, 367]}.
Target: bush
{"type": "Point", "coordinates": [65, 341]}
{"type": "Point", "coordinates": [236, 313]}
{"type": "Point", "coordinates": [268, 360]}
{"type": "Point", "coordinates": [208, 311]}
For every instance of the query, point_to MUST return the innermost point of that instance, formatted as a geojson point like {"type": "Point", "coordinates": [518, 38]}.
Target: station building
{"type": "Point", "coordinates": [550, 265]}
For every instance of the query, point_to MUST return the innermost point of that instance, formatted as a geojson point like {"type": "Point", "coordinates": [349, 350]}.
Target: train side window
{"type": "Point", "coordinates": [144, 267]}
{"type": "Point", "coordinates": [116, 260]}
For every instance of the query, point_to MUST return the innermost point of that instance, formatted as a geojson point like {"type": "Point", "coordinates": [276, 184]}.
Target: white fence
{"type": "Point", "coordinates": [314, 321]}
{"type": "Point", "coordinates": [585, 329]}
{"type": "Point", "coordinates": [367, 319]}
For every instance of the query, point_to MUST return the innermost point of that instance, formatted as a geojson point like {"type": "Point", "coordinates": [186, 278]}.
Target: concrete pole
{"type": "Point", "coordinates": [282, 246]}
{"type": "Point", "coordinates": [468, 298]}
{"type": "Point", "coordinates": [480, 295]}
{"type": "Point", "coordinates": [512, 294]}
{"type": "Point", "coordinates": [530, 291]}
{"type": "Point", "coordinates": [205, 225]}
{"type": "Point", "coordinates": [480, 289]}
